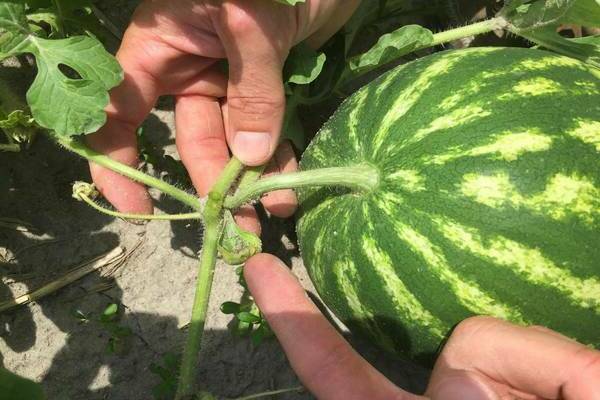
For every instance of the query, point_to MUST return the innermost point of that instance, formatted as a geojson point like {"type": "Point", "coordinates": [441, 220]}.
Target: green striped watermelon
{"type": "Point", "coordinates": [488, 199]}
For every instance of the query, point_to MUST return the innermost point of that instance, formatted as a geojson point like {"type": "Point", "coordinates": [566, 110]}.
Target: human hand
{"type": "Point", "coordinates": [172, 48]}
{"type": "Point", "coordinates": [484, 359]}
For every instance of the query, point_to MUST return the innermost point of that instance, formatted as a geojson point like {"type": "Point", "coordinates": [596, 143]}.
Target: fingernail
{"type": "Point", "coordinates": [462, 389]}
{"type": "Point", "coordinates": [252, 148]}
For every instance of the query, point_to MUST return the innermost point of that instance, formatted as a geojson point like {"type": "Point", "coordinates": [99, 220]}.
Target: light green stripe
{"type": "Point", "coordinates": [347, 278]}
{"type": "Point", "coordinates": [507, 146]}
{"type": "Point", "coordinates": [408, 179]}
{"type": "Point", "coordinates": [311, 220]}
{"type": "Point", "coordinates": [467, 292]}
{"type": "Point", "coordinates": [564, 195]}
{"type": "Point", "coordinates": [588, 131]}
{"type": "Point", "coordinates": [529, 263]}
{"type": "Point", "coordinates": [453, 119]}
{"type": "Point", "coordinates": [357, 107]}
{"type": "Point", "coordinates": [404, 302]}
{"type": "Point", "coordinates": [409, 97]}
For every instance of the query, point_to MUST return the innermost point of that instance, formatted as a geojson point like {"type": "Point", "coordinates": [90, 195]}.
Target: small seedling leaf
{"type": "Point", "coordinates": [247, 317]}
{"type": "Point", "coordinates": [111, 310]}
{"type": "Point", "coordinates": [230, 307]}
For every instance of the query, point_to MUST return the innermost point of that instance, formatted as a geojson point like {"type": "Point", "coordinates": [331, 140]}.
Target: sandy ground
{"type": "Point", "coordinates": [48, 342]}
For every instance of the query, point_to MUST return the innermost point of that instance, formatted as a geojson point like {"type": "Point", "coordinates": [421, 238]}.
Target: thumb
{"type": "Point", "coordinates": [462, 385]}
{"type": "Point", "coordinates": [255, 94]}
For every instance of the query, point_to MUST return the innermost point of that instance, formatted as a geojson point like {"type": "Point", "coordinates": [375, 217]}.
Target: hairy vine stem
{"type": "Point", "coordinates": [84, 196]}
{"type": "Point", "coordinates": [212, 229]}
{"type": "Point", "coordinates": [360, 177]}
{"type": "Point", "coordinates": [439, 38]}
{"type": "Point", "coordinates": [477, 28]}
{"type": "Point", "coordinates": [81, 149]}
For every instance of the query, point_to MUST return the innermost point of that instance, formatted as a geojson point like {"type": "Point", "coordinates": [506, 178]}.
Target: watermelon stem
{"type": "Point", "coordinates": [86, 192]}
{"type": "Point", "coordinates": [478, 28]}
{"type": "Point", "coordinates": [361, 178]}
{"type": "Point", "coordinates": [213, 216]}
{"type": "Point", "coordinates": [78, 147]}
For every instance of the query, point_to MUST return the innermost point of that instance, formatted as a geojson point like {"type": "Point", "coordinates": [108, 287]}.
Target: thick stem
{"type": "Point", "coordinates": [363, 178]}
{"type": "Point", "coordinates": [208, 259]}
{"type": "Point", "coordinates": [477, 28]}
{"type": "Point", "coordinates": [81, 149]}
{"type": "Point", "coordinates": [151, 217]}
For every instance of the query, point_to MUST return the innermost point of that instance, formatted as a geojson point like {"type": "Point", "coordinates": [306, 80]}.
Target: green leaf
{"type": "Point", "coordinates": [20, 126]}
{"type": "Point", "coordinates": [539, 23]}
{"type": "Point", "coordinates": [527, 14]}
{"type": "Point", "coordinates": [259, 334]}
{"type": "Point", "coordinates": [292, 126]}
{"type": "Point", "coordinates": [230, 307]}
{"type": "Point", "coordinates": [290, 2]}
{"type": "Point", "coordinates": [248, 318]}
{"type": "Point", "coordinates": [583, 13]}
{"type": "Point", "coordinates": [303, 65]}
{"type": "Point", "coordinates": [14, 387]}
{"type": "Point", "coordinates": [111, 310]}
{"type": "Point", "coordinates": [391, 46]}
{"type": "Point", "coordinates": [586, 50]}
{"type": "Point", "coordinates": [237, 245]}
{"type": "Point", "coordinates": [58, 102]}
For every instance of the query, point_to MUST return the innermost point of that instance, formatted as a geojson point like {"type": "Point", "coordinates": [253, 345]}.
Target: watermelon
{"type": "Point", "coordinates": [488, 200]}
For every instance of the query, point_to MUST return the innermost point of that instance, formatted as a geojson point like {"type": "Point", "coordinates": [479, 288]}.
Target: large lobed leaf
{"type": "Point", "coordinates": [68, 105]}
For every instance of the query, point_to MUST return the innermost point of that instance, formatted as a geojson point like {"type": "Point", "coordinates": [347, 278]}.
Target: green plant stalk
{"type": "Point", "coordinates": [151, 217]}
{"type": "Point", "coordinates": [439, 38]}
{"type": "Point", "coordinates": [361, 177]}
{"type": "Point", "coordinates": [81, 149]}
{"type": "Point", "coordinates": [250, 176]}
{"type": "Point", "coordinates": [212, 228]}
{"type": "Point", "coordinates": [475, 29]}
{"type": "Point", "coordinates": [59, 19]}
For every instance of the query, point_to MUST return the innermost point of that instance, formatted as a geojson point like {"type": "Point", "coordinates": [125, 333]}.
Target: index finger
{"type": "Point", "coordinates": [323, 360]}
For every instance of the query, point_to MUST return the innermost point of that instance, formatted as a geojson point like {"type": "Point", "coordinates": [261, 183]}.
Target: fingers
{"type": "Point", "coordinates": [200, 139]}
{"type": "Point", "coordinates": [256, 42]}
{"type": "Point", "coordinates": [505, 359]}
{"type": "Point", "coordinates": [323, 360]}
{"type": "Point", "coordinates": [281, 203]}
{"type": "Point", "coordinates": [130, 103]}
{"type": "Point", "coordinates": [143, 59]}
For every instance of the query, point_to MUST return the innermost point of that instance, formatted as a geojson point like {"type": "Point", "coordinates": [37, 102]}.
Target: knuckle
{"type": "Point", "coordinates": [258, 107]}
{"type": "Point", "coordinates": [237, 20]}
